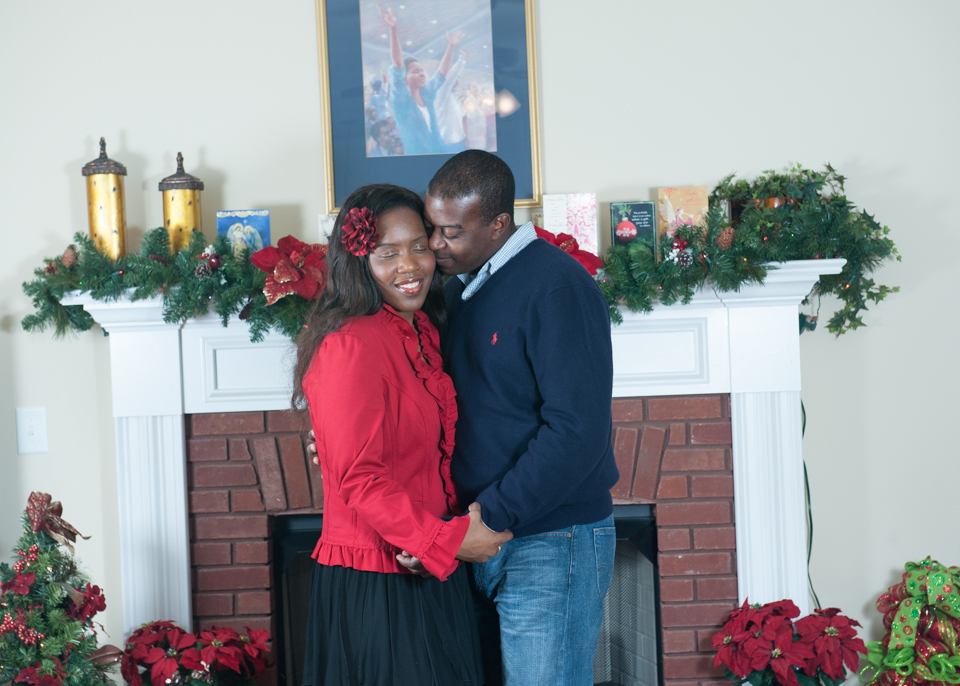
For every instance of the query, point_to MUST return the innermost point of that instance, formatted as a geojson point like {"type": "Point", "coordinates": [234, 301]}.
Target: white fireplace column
{"type": "Point", "coordinates": [151, 476]}
{"type": "Point", "coordinates": [747, 344]}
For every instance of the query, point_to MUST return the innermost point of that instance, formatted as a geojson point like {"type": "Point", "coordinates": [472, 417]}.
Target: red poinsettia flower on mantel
{"type": "Point", "coordinates": [569, 244]}
{"type": "Point", "coordinates": [292, 267]}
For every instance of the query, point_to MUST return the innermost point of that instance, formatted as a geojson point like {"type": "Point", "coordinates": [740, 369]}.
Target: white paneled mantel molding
{"type": "Point", "coordinates": [745, 343]}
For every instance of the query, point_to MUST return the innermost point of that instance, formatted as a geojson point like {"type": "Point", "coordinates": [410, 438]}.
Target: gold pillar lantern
{"type": "Point", "coordinates": [181, 206]}
{"type": "Point", "coordinates": [106, 208]}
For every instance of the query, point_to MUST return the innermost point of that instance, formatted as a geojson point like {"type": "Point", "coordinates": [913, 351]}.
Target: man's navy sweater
{"type": "Point", "coordinates": [531, 358]}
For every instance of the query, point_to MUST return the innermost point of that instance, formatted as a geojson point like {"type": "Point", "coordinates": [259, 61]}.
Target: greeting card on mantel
{"type": "Point", "coordinates": [573, 213]}
{"type": "Point", "coordinates": [684, 206]}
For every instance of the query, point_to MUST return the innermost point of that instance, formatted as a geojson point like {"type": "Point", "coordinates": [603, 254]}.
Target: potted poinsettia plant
{"type": "Point", "coordinates": [766, 645]}
{"type": "Point", "coordinates": [163, 653]}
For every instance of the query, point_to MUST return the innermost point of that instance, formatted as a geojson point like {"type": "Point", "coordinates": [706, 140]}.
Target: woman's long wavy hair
{"type": "Point", "coordinates": [351, 290]}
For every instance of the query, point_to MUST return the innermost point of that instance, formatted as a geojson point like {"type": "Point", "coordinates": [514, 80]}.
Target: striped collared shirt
{"type": "Point", "coordinates": [521, 238]}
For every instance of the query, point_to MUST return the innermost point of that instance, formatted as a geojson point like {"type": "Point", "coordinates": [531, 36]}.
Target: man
{"type": "Point", "coordinates": [528, 348]}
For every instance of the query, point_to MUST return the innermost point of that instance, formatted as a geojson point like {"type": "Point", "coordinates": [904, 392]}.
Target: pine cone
{"type": "Point", "coordinates": [725, 239]}
{"type": "Point", "coordinates": [684, 259]}
{"type": "Point", "coordinates": [203, 269]}
{"type": "Point", "coordinates": [69, 257]}
{"type": "Point", "coordinates": [245, 312]}
{"type": "Point", "coordinates": [50, 268]}
{"type": "Point", "coordinates": [158, 258]}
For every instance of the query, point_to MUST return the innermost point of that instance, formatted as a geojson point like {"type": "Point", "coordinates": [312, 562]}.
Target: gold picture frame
{"type": "Point", "coordinates": [345, 161]}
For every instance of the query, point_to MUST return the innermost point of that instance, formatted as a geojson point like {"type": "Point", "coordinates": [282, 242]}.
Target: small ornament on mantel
{"type": "Point", "coordinates": [181, 206]}
{"type": "Point", "coordinates": [106, 208]}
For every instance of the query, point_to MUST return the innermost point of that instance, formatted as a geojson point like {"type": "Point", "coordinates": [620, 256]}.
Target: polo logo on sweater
{"type": "Point", "coordinates": [494, 341]}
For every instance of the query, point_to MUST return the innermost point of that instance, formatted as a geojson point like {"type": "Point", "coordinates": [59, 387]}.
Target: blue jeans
{"type": "Point", "coordinates": [540, 603]}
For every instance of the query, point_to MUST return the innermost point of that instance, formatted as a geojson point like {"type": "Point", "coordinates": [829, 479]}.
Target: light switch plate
{"type": "Point", "coordinates": [31, 430]}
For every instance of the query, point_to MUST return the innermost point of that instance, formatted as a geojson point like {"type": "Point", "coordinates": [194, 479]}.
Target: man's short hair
{"type": "Point", "coordinates": [476, 173]}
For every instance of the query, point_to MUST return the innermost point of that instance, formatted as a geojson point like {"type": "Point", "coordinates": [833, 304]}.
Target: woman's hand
{"type": "Point", "coordinates": [312, 449]}
{"type": "Point", "coordinates": [413, 564]}
{"type": "Point", "coordinates": [481, 542]}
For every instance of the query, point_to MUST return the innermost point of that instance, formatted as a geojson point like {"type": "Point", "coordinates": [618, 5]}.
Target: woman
{"type": "Point", "coordinates": [384, 412]}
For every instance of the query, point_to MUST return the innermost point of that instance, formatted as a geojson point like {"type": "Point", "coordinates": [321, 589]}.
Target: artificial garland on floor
{"type": "Point", "coordinates": [799, 215]}
{"type": "Point", "coordinates": [775, 218]}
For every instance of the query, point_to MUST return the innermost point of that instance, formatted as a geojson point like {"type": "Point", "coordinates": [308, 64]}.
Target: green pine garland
{"type": "Point", "coordinates": [817, 221]}
{"type": "Point", "coordinates": [63, 645]}
{"type": "Point", "coordinates": [234, 288]}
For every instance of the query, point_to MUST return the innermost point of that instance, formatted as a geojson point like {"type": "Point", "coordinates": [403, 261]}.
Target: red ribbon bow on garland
{"type": "Point", "coordinates": [359, 231]}
{"type": "Point", "coordinates": [292, 267]}
{"type": "Point", "coordinates": [569, 244]}
{"type": "Point", "coordinates": [45, 515]}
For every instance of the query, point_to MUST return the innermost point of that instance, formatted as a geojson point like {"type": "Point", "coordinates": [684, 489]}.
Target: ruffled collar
{"type": "Point", "coordinates": [428, 365]}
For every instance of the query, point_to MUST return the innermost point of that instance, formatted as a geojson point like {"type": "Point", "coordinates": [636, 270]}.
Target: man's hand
{"type": "Point", "coordinates": [481, 543]}
{"type": "Point", "coordinates": [312, 449]}
{"type": "Point", "coordinates": [455, 38]}
{"type": "Point", "coordinates": [413, 564]}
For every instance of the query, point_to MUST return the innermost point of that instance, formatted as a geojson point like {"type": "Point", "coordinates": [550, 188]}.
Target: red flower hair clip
{"type": "Point", "coordinates": [359, 231]}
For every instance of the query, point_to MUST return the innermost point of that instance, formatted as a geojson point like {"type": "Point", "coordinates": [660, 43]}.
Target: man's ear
{"type": "Point", "coordinates": [499, 225]}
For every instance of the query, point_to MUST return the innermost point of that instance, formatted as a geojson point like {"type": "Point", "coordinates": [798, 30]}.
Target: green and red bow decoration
{"type": "Point", "coordinates": [46, 514]}
{"type": "Point", "coordinates": [922, 617]}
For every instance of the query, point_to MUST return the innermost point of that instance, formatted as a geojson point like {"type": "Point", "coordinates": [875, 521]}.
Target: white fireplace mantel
{"type": "Point", "coordinates": [744, 343]}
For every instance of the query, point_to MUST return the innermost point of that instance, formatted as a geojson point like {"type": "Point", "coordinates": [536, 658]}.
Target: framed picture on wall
{"type": "Point", "coordinates": [405, 85]}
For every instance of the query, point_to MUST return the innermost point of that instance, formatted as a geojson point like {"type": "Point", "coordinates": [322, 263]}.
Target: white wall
{"type": "Point", "coordinates": [634, 95]}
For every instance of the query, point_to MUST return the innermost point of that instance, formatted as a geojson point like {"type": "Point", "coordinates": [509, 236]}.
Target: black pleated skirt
{"type": "Point", "coordinates": [375, 629]}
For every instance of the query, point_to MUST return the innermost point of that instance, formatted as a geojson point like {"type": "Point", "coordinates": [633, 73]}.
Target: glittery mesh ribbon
{"type": "Point", "coordinates": [45, 515]}
{"type": "Point", "coordinates": [922, 618]}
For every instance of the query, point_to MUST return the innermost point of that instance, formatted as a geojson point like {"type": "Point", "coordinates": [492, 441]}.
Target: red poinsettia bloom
{"type": "Point", "coordinates": [292, 267]}
{"type": "Point", "coordinates": [164, 663]}
{"type": "Point", "coordinates": [786, 654]}
{"type": "Point", "coordinates": [729, 645]}
{"type": "Point", "coordinates": [569, 245]}
{"type": "Point", "coordinates": [130, 669]}
{"type": "Point", "coordinates": [834, 642]}
{"type": "Point", "coordinates": [255, 641]}
{"type": "Point", "coordinates": [31, 675]}
{"type": "Point", "coordinates": [359, 231]}
{"type": "Point", "coordinates": [20, 585]}
{"type": "Point", "coordinates": [93, 602]}
{"type": "Point", "coordinates": [220, 648]}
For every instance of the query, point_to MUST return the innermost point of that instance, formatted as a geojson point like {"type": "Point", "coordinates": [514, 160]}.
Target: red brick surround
{"type": "Point", "coordinates": [243, 468]}
{"type": "Point", "coordinates": [673, 452]}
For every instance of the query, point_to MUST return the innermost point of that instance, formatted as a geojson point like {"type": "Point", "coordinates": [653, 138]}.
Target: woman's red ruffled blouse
{"type": "Point", "coordinates": [384, 417]}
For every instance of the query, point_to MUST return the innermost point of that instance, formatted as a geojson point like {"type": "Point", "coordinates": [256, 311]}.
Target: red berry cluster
{"type": "Point", "coordinates": [29, 556]}
{"type": "Point", "coordinates": [19, 627]}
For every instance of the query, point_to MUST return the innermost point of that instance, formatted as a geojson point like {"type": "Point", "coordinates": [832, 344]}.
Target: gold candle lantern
{"type": "Point", "coordinates": [106, 208]}
{"type": "Point", "coordinates": [181, 206]}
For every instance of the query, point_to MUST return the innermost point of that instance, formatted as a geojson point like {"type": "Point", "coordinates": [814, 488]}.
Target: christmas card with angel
{"type": "Point", "coordinates": [244, 229]}
{"type": "Point", "coordinates": [683, 206]}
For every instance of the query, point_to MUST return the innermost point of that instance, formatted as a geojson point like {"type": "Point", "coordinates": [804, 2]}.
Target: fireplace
{"type": "Point", "coordinates": [248, 475]}
{"type": "Point", "coordinates": [707, 407]}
